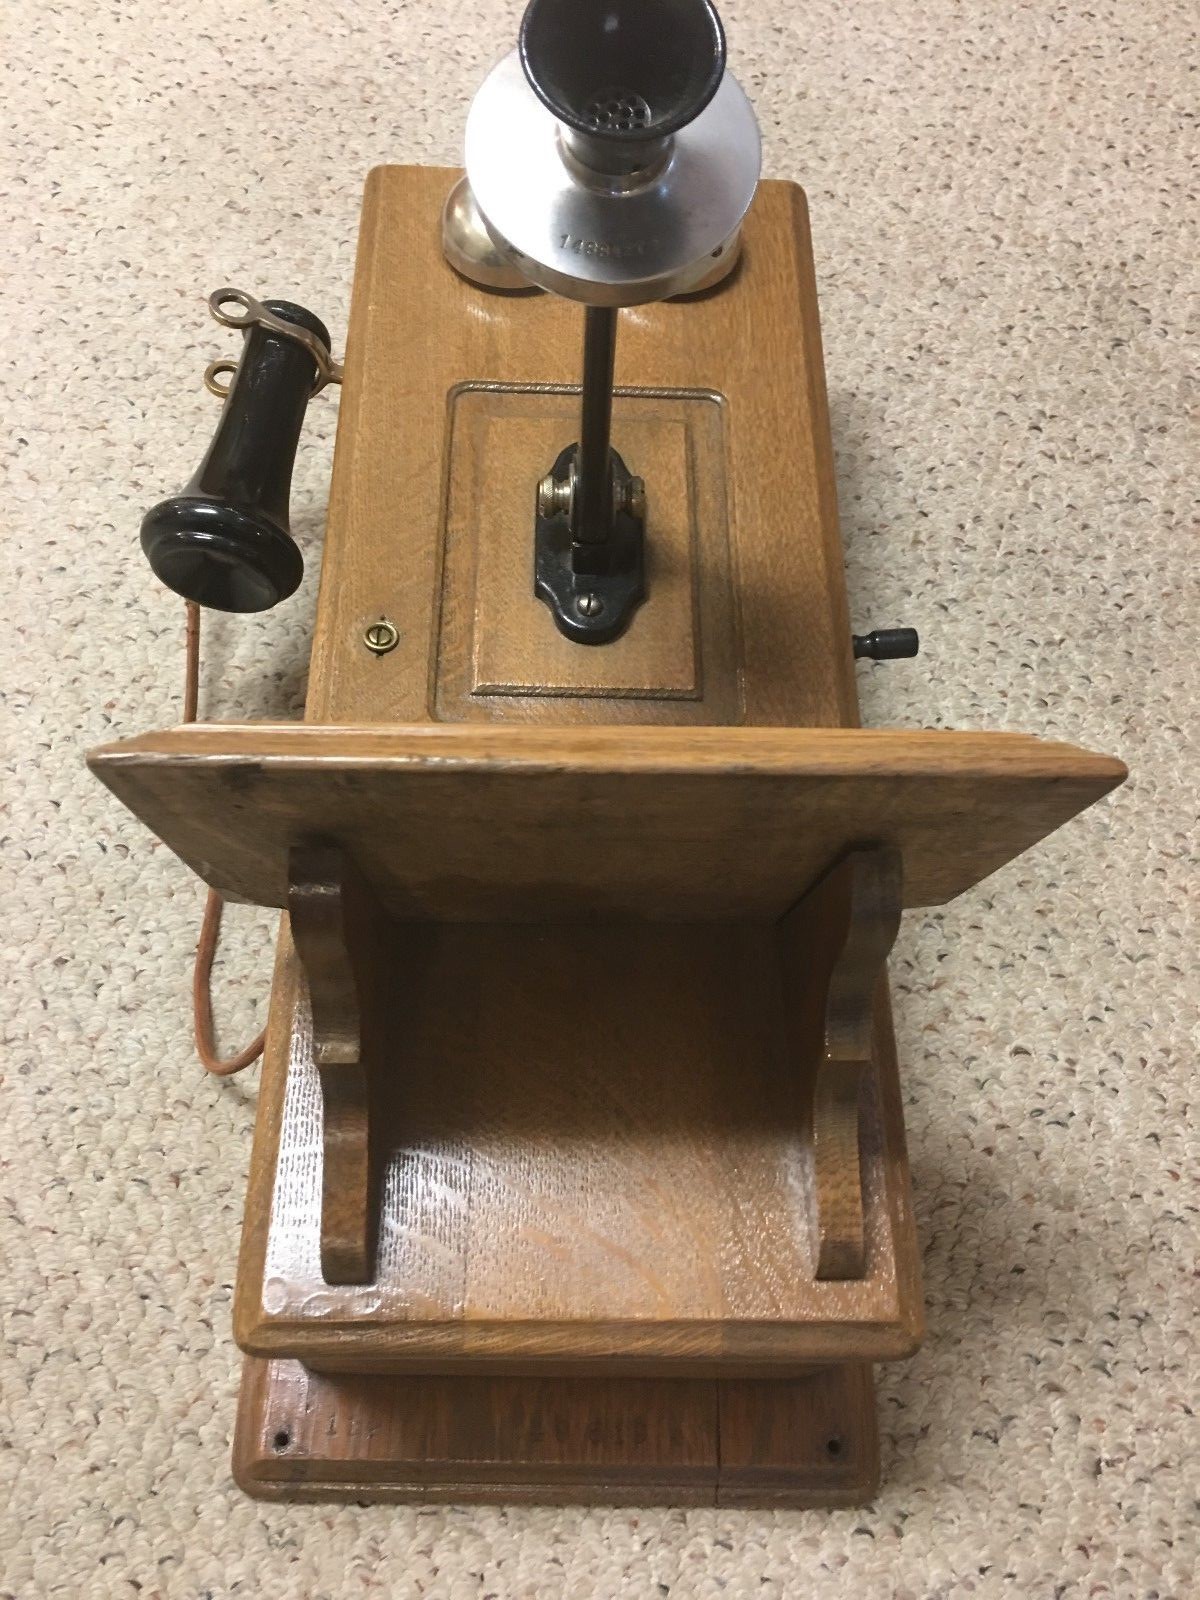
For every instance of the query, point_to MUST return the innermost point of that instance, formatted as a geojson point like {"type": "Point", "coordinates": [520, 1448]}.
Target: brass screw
{"type": "Point", "coordinates": [381, 637]}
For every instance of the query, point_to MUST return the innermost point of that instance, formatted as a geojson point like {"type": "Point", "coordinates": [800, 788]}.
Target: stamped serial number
{"type": "Point", "coordinates": [603, 247]}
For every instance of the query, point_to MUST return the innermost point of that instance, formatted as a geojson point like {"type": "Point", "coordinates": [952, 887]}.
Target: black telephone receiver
{"type": "Point", "coordinates": [226, 541]}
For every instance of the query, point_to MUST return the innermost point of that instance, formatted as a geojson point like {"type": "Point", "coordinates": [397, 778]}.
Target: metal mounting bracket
{"type": "Point", "coordinates": [592, 588]}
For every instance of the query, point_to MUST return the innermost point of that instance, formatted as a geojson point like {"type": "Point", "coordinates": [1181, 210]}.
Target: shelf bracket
{"type": "Point", "coordinates": [335, 921]}
{"type": "Point", "coordinates": [834, 945]}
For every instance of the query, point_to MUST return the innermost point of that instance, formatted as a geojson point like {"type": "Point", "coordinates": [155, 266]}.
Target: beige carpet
{"type": "Point", "coordinates": [1000, 196]}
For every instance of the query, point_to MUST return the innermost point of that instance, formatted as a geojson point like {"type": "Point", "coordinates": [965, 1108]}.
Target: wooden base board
{"type": "Point", "coordinates": [800, 1442]}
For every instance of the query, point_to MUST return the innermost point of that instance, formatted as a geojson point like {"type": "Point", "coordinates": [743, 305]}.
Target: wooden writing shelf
{"type": "Point", "coordinates": [452, 822]}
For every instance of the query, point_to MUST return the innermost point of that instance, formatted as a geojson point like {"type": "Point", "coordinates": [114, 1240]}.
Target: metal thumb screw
{"type": "Point", "coordinates": [886, 644]}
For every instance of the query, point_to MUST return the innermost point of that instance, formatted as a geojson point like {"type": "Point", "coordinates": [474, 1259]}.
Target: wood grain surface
{"type": "Point", "coordinates": [595, 1159]}
{"type": "Point", "coordinates": [810, 1440]}
{"type": "Point", "coordinates": [833, 945]}
{"type": "Point", "coordinates": [463, 822]}
{"type": "Point", "coordinates": [339, 932]}
{"type": "Point", "coordinates": [418, 332]}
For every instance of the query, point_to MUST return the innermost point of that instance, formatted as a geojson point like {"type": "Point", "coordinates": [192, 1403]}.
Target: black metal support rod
{"type": "Point", "coordinates": [591, 522]}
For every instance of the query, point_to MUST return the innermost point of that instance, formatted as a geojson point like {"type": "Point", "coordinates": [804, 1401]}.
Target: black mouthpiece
{"type": "Point", "coordinates": [623, 70]}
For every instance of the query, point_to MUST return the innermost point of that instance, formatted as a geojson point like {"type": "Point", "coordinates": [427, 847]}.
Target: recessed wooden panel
{"type": "Point", "coordinates": [500, 657]}
{"type": "Point", "coordinates": [484, 823]}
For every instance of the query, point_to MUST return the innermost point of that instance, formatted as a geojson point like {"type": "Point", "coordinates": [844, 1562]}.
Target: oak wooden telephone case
{"type": "Point", "coordinates": [579, 1168]}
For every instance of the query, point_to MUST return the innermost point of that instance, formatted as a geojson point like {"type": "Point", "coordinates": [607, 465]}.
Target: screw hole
{"type": "Point", "coordinates": [281, 1440]}
{"type": "Point", "coordinates": [833, 1447]}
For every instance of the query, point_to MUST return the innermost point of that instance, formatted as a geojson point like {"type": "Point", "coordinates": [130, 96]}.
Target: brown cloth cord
{"type": "Point", "coordinates": [210, 925]}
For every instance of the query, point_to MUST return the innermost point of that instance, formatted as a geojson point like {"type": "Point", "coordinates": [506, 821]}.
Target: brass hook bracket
{"type": "Point", "coordinates": [254, 314]}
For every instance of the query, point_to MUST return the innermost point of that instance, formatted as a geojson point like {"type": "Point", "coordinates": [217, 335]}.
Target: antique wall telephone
{"type": "Point", "coordinates": [579, 1169]}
